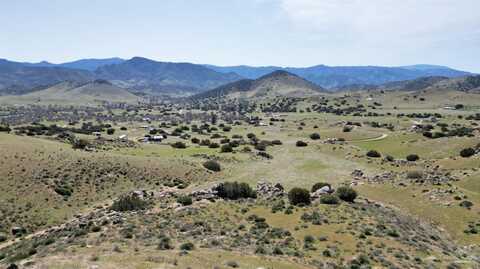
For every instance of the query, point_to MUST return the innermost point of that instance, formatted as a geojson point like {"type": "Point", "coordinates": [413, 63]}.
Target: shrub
{"type": "Point", "coordinates": [347, 129]}
{"type": "Point", "coordinates": [110, 131]}
{"type": "Point", "coordinates": [3, 238]}
{"type": "Point", "coordinates": [277, 142]}
{"type": "Point", "coordinates": [466, 204]}
{"type": "Point", "coordinates": [226, 148]}
{"type": "Point", "coordinates": [413, 158]}
{"type": "Point", "coordinates": [164, 243]}
{"type": "Point", "coordinates": [195, 140]}
{"type": "Point", "coordinates": [298, 196]}
{"type": "Point", "coordinates": [129, 203]}
{"type": "Point", "coordinates": [261, 146]}
{"type": "Point", "coordinates": [232, 264]}
{"type": "Point", "coordinates": [301, 144]}
{"type": "Point", "coordinates": [319, 185]}
{"type": "Point", "coordinates": [187, 246]}
{"type": "Point", "coordinates": [467, 152]}
{"type": "Point", "coordinates": [389, 158]}
{"type": "Point", "coordinates": [214, 145]}
{"type": "Point", "coordinates": [184, 200]}
{"type": "Point", "coordinates": [212, 166]}
{"type": "Point", "coordinates": [235, 190]}
{"type": "Point", "coordinates": [179, 145]}
{"type": "Point", "coordinates": [347, 194]}
{"type": "Point", "coordinates": [374, 154]}
{"type": "Point", "coordinates": [315, 136]}
{"type": "Point", "coordinates": [80, 144]}
{"type": "Point", "coordinates": [64, 190]}
{"type": "Point", "coordinates": [329, 199]}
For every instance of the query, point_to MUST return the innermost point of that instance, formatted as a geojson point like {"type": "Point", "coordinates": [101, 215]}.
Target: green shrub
{"type": "Point", "coordinates": [329, 199]}
{"type": "Point", "coordinates": [235, 190]}
{"type": "Point", "coordinates": [301, 144]}
{"type": "Point", "coordinates": [187, 246]}
{"type": "Point", "coordinates": [164, 243]}
{"type": "Point", "coordinates": [226, 148]}
{"type": "Point", "coordinates": [129, 203]}
{"type": "Point", "coordinates": [80, 144]}
{"type": "Point", "coordinates": [414, 174]}
{"type": "Point", "coordinates": [212, 166]}
{"type": "Point", "coordinates": [178, 145]}
{"type": "Point", "coordinates": [184, 200]}
{"type": "Point", "coordinates": [467, 152]}
{"type": "Point", "coordinates": [315, 136]}
{"type": "Point", "coordinates": [373, 154]}
{"type": "Point", "coordinates": [110, 131]}
{"type": "Point", "coordinates": [297, 196]}
{"type": "Point", "coordinates": [347, 194]}
{"type": "Point", "coordinates": [413, 158]}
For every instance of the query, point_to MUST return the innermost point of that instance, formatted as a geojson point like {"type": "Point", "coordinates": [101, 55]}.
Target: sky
{"type": "Point", "coordinates": [245, 32]}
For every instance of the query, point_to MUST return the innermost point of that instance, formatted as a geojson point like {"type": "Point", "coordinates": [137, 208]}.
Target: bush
{"type": "Point", "coordinates": [187, 246]}
{"type": "Point", "coordinates": [212, 166]}
{"type": "Point", "coordinates": [373, 154]}
{"type": "Point", "coordinates": [80, 144]}
{"type": "Point", "coordinates": [347, 194]}
{"type": "Point", "coordinates": [110, 131]}
{"type": "Point", "coordinates": [298, 196]}
{"type": "Point", "coordinates": [226, 148]}
{"type": "Point", "coordinates": [184, 200]}
{"type": "Point", "coordinates": [179, 145]}
{"type": "Point", "coordinates": [235, 190]}
{"type": "Point", "coordinates": [214, 145]}
{"type": "Point", "coordinates": [319, 185]}
{"type": "Point", "coordinates": [195, 140]}
{"type": "Point", "coordinates": [301, 144]}
{"type": "Point", "coordinates": [165, 243]}
{"type": "Point", "coordinates": [129, 203]}
{"type": "Point", "coordinates": [413, 158]}
{"type": "Point", "coordinates": [467, 152]}
{"type": "Point", "coordinates": [329, 199]}
{"type": "Point", "coordinates": [315, 136]}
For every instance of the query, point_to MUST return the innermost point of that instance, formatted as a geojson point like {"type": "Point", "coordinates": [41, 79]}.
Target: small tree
{"type": "Point", "coordinates": [226, 148]}
{"type": "Point", "coordinates": [212, 165]}
{"type": "Point", "coordinates": [301, 144]}
{"type": "Point", "coordinates": [347, 194]}
{"type": "Point", "coordinates": [374, 154]}
{"type": "Point", "coordinates": [184, 200]}
{"type": "Point", "coordinates": [315, 136]}
{"type": "Point", "coordinates": [413, 158]}
{"type": "Point", "coordinates": [467, 152]}
{"type": "Point", "coordinates": [298, 196]}
{"type": "Point", "coordinates": [235, 190]}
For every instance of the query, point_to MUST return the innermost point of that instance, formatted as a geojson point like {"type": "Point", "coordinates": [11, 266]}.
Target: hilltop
{"type": "Point", "coordinates": [72, 92]}
{"type": "Point", "coordinates": [277, 83]}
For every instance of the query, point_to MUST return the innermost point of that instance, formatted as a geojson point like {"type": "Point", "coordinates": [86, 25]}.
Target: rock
{"type": "Point", "coordinates": [268, 190]}
{"type": "Point", "coordinates": [206, 194]}
{"type": "Point", "coordinates": [322, 191]}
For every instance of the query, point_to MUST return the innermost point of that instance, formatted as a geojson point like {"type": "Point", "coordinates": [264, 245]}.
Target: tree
{"type": "Point", "coordinates": [212, 165]}
{"type": "Point", "coordinates": [413, 158]}
{"type": "Point", "coordinates": [297, 196]}
{"type": "Point", "coordinates": [467, 152]}
{"type": "Point", "coordinates": [235, 190]}
{"type": "Point", "coordinates": [315, 136]}
{"type": "Point", "coordinates": [374, 154]}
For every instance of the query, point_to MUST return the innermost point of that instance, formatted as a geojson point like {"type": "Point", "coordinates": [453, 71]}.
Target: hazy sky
{"type": "Point", "coordinates": [254, 32]}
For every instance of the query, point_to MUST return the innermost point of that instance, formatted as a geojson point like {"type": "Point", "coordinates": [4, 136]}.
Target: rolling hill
{"type": "Point", "coordinates": [277, 83]}
{"type": "Point", "coordinates": [70, 92]}
{"type": "Point", "coordinates": [332, 77]}
{"type": "Point", "coordinates": [83, 64]}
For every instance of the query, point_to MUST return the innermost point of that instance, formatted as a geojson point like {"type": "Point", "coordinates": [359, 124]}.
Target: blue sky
{"type": "Point", "coordinates": [253, 32]}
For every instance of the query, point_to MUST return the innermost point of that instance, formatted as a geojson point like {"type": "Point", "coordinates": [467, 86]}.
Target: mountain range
{"type": "Point", "coordinates": [145, 76]}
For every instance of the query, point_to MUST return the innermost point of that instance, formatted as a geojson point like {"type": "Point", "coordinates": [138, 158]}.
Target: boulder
{"type": "Point", "coordinates": [322, 191]}
{"type": "Point", "coordinates": [268, 190]}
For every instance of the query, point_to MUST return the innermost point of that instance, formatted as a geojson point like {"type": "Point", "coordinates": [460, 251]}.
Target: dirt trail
{"type": "Point", "coordinates": [383, 136]}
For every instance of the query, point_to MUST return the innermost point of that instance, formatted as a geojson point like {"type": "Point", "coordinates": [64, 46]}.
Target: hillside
{"type": "Point", "coordinates": [277, 83]}
{"type": "Point", "coordinates": [75, 93]}
{"type": "Point", "coordinates": [337, 76]}
{"type": "Point", "coordinates": [142, 73]}
{"type": "Point", "coordinates": [83, 64]}
{"type": "Point", "coordinates": [17, 78]}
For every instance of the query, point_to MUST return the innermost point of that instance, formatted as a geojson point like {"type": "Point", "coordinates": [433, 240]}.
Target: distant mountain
{"type": "Point", "coordinates": [18, 78]}
{"type": "Point", "coordinates": [145, 73]}
{"type": "Point", "coordinates": [70, 92]}
{"type": "Point", "coordinates": [331, 77]}
{"type": "Point", "coordinates": [466, 84]}
{"type": "Point", "coordinates": [83, 64]}
{"type": "Point", "coordinates": [277, 83]}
